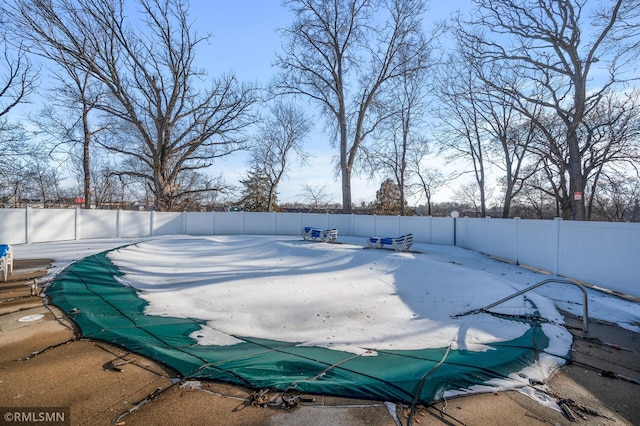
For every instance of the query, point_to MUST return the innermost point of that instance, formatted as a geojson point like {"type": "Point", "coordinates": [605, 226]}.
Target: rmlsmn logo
{"type": "Point", "coordinates": [40, 416]}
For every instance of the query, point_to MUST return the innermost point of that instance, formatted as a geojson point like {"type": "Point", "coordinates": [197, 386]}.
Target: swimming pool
{"type": "Point", "coordinates": [369, 324]}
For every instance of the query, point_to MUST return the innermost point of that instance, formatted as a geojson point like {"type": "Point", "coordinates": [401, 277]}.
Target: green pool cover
{"type": "Point", "coordinates": [106, 310]}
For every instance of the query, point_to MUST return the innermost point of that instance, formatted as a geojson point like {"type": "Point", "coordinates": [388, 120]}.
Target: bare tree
{"type": "Point", "coordinates": [553, 46]}
{"type": "Point", "coordinates": [107, 189]}
{"type": "Point", "coordinates": [616, 199]}
{"type": "Point", "coordinates": [469, 195]}
{"type": "Point", "coordinates": [18, 80]}
{"type": "Point", "coordinates": [70, 123]}
{"type": "Point", "coordinates": [17, 76]}
{"type": "Point", "coordinates": [316, 196]}
{"type": "Point", "coordinates": [43, 180]}
{"type": "Point", "coordinates": [339, 55]}
{"type": "Point", "coordinates": [462, 101]}
{"type": "Point", "coordinates": [281, 136]}
{"type": "Point", "coordinates": [399, 135]}
{"type": "Point", "coordinates": [170, 124]}
{"type": "Point", "coordinates": [551, 174]}
{"type": "Point", "coordinates": [426, 181]}
{"type": "Point", "coordinates": [14, 165]}
{"type": "Point", "coordinates": [482, 124]}
{"type": "Point", "coordinates": [614, 128]}
{"type": "Point", "coordinates": [514, 139]}
{"type": "Point", "coordinates": [30, 177]}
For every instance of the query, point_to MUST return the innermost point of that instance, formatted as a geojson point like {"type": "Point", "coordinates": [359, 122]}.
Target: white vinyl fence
{"type": "Point", "coordinates": [600, 253]}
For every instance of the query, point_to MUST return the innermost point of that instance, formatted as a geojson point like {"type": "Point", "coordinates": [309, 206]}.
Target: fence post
{"type": "Point", "coordinates": [352, 225]}
{"type": "Point", "coordinates": [76, 230]}
{"type": "Point", "coordinates": [275, 224]}
{"type": "Point", "coordinates": [454, 215]}
{"type": "Point", "coordinates": [517, 255]}
{"type": "Point", "coordinates": [27, 225]}
{"type": "Point", "coordinates": [487, 234]}
{"type": "Point", "coordinates": [556, 266]}
{"type": "Point", "coordinates": [152, 222]}
{"type": "Point", "coordinates": [375, 224]}
{"type": "Point", "coordinates": [119, 223]}
{"type": "Point", "coordinates": [455, 231]}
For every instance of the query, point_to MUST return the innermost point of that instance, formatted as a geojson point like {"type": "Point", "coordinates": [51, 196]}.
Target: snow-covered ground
{"type": "Point", "coordinates": [339, 296]}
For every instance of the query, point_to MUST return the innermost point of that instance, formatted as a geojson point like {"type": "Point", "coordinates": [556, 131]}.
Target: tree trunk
{"type": "Point", "coordinates": [506, 207]}
{"type": "Point", "coordinates": [86, 169]}
{"type": "Point", "coordinates": [346, 191]}
{"type": "Point", "coordinates": [576, 180]}
{"type": "Point", "coordinates": [345, 166]}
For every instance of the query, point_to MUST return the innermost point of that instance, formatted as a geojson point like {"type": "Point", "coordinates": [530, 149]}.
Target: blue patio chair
{"type": "Point", "coordinates": [324, 235]}
{"type": "Point", "coordinates": [402, 243]}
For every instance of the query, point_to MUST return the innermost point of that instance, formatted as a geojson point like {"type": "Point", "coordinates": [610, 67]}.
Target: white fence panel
{"type": "Point", "coordinates": [255, 223]}
{"type": "Point", "coordinates": [97, 224]}
{"type": "Point", "coordinates": [342, 222]}
{"type": "Point", "coordinates": [168, 223]}
{"type": "Point", "coordinates": [442, 230]}
{"type": "Point", "coordinates": [199, 223]}
{"type": "Point", "coordinates": [502, 238]}
{"type": "Point", "coordinates": [419, 226]}
{"type": "Point", "coordinates": [52, 225]}
{"type": "Point", "coordinates": [13, 229]}
{"type": "Point", "coordinates": [386, 226]}
{"type": "Point", "coordinates": [601, 253]}
{"type": "Point", "coordinates": [134, 224]}
{"type": "Point", "coordinates": [538, 244]}
{"type": "Point", "coordinates": [364, 226]}
{"type": "Point", "coordinates": [288, 223]}
{"type": "Point", "coordinates": [470, 234]}
{"type": "Point", "coordinates": [316, 220]}
{"type": "Point", "coordinates": [228, 223]}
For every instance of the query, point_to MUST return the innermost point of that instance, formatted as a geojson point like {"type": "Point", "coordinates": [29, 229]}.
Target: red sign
{"type": "Point", "coordinates": [79, 200]}
{"type": "Point", "coordinates": [577, 195]}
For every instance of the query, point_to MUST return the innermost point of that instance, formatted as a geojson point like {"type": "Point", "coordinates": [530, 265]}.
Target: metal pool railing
{"type": "Point", "coordinates": [585, 301]}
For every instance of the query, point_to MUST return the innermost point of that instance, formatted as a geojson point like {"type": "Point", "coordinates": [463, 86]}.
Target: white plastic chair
{"type": "Point", "coordinates": [6, 260]}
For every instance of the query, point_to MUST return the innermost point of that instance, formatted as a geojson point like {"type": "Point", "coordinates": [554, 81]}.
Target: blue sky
{"type": "Point", "coordinates": [244, 32]}
{"type": "Point", "coordinates": [245, 41]}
